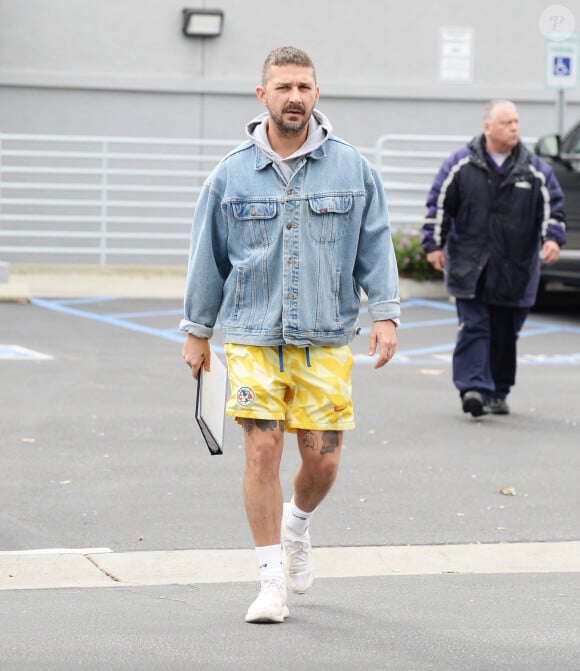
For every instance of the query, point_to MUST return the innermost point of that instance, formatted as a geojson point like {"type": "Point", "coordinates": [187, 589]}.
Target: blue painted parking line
{"type": "Point", "coordinates": [440, 353]}
{"type": "Point", "coordinates": [426, 303]}
{"type": "Point", "coordinates": [61, 306]}
{"type": "Point", "coordinates": [89, 299]}
{"type": "Point", "coordinates": [365, 330]}
{"type": "Point", "coordinates": [529, 329]}
{"type": "Point", "coordinates": [149, 313]}
{"type": "Point", "coordinates": [120, 320]}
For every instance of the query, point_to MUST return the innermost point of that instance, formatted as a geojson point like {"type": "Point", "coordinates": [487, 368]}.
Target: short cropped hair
{"type": "Point", "coordinates": [286, 56]}
{"type": "Point", "coordinates": [492, 105]}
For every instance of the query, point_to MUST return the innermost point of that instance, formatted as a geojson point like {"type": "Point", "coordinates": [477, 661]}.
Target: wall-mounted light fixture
{"type": "Point", "coordinates": [202, 22]}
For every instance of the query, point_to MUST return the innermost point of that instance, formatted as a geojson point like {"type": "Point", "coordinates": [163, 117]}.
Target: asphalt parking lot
{"type": "Point", "coordinates": [109, 494]}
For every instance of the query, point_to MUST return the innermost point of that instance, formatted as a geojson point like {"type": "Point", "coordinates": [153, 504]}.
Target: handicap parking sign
{"type": "Point", "coordinates": [562, 66]}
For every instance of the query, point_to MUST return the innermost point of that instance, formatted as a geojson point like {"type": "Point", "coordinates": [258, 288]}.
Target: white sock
{"type": "Point", "coordinates": [270, 561]}
{"type": "Point", "coordinates": [298, 520]}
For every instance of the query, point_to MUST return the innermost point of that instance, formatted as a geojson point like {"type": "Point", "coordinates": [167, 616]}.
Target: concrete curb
{"type": "Point", "coordinates": [102, 568]}
{"type": "Point", "coordinates": [14, 292]}
{"type": "Point", "coordinates": [82, 281]}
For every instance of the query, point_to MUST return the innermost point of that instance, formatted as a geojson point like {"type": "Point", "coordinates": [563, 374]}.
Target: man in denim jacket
{"type": "Point", "coordinates": [288, 231]}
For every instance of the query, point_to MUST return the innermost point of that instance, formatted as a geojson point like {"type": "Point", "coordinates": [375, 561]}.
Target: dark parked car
{"type": "Point", "coordinates": [563, 154]}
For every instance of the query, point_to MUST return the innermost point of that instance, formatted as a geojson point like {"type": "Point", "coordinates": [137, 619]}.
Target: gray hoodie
{"type": "Point", "coordinates": [319, 128]}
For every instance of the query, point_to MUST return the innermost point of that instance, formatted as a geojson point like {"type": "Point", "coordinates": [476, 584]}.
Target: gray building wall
{"type": "Point", "coordinates": [123, 67]}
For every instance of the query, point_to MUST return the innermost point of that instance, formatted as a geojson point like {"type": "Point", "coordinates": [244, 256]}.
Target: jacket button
{"type": "Point", "coordinates": [288, 226]}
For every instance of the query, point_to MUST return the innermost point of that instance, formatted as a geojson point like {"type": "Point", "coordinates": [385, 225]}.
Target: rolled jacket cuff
{"type": "Point", "coordinates": [198, 330]}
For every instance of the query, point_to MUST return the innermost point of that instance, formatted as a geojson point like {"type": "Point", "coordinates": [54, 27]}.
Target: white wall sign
{"type": "Point", "coordinates": [456, 54]}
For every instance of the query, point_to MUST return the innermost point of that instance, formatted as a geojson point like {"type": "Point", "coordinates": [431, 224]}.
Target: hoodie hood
{"type": "Point", "coordinates": [319, 128]}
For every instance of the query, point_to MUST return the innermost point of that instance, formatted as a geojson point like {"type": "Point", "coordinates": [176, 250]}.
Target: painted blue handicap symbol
{"type": "Point", "coordinates": [561, 66]}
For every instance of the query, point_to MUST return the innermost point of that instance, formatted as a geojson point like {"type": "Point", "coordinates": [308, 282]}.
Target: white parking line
{"type": "Point", "coordinates": [102, 568]}
{"type": "Point", "coordinates": [55, 551]}
{"type": "Point", "coordinates": [18, 353]}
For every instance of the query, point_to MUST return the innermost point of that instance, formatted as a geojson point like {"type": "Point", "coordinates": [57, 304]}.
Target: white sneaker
{"type": "Point", "coordinates": [270, 606]}
{"type": "Point", "coordinates": [296, 557]}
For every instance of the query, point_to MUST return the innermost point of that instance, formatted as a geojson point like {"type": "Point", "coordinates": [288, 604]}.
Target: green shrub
{"type": "Point", "coordinates": [411, 259]}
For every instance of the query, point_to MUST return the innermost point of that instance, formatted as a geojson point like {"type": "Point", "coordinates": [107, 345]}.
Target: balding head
{"type": "Point", "coordinates": [501, 126]}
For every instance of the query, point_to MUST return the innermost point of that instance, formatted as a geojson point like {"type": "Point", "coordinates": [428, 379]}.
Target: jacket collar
{"type": "Point", "coordinates": [520, 155]}
{"type": "Point", "coordinates": [263, 160]}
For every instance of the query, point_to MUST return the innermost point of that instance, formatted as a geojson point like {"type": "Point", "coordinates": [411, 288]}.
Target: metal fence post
{"type": "Point", "coordinates": [1, 172]}
{"type": "Point", "coordinates": [104, 199]}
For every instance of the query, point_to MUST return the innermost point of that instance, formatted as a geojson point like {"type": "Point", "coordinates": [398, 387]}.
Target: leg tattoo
{"type": "Point", "coordinates": [249, 424]}
{"type": "Point", "coordinates": [309, 439]}
{"type": "Point", "coordinates": [329, 442]}
{"type": "Point", "coordinates": [312, 441]}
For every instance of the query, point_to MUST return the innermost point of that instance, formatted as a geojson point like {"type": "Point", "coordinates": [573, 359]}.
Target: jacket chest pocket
{"type": "Point", "coordinates": [329, 217]}
{"type": "Point", "coordinates": [254, 222]}
{"type": "Point", "coordinates": [521, 198]}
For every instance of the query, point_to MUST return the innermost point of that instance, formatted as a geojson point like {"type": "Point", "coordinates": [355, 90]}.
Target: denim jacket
{"type": "Point", "coordinates": [285, 263]}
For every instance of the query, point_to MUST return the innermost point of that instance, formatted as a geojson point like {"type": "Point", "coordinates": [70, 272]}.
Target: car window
{"type": "Point", "coordinates": [571, 144]}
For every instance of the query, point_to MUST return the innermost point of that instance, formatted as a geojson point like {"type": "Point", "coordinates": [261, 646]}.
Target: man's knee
{"type": "Point", "coordinates": [263, 444]}
{"type": "Point", "coordinates": [262, 460]}
{"type": "Point", "coordinates": [323, 467]}
{"type": "Point", "coordinates": [327, 469]}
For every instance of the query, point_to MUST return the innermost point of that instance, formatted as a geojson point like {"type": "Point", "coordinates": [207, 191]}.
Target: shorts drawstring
{"type": "Point", "coordinates": [281, 357]}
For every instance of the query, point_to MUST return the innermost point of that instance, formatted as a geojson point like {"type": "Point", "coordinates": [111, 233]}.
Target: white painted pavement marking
{"type": "Point", "coordinates": [18, 353]}
{"type": "Point", "coordinates": [102, 568]}
{"type": "Point", "coordinates": [56, 551]}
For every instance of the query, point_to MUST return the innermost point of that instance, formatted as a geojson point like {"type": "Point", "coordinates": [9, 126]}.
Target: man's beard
{"type": "Point", "coordinates": [290, 128]}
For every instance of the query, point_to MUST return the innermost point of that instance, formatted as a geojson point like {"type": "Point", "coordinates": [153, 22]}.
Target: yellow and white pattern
{"type": "Point", "coordinates": [306, 387]}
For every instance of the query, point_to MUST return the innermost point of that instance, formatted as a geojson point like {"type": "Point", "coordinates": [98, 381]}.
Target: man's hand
{"type": "Point", "coordinates": [437, 259]}
{"type": "Point", "coordinates": [196, 353]}
{"type": "Point", "coordinates": [384, 335]}
{"type": "Point", "coordinates": [550, 252]}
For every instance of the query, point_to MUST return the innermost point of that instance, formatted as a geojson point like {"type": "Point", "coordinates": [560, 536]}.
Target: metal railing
{"type": "Point", "coordinates": [407, 165]}
{"type": "Point", "coordinates": [87, 199]}
{"type": "Point", "coordinates": [100, 199]}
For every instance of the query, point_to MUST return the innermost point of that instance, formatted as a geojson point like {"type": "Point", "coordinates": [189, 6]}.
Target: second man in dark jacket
{"type": "Point", "coordinates": [495, 212]}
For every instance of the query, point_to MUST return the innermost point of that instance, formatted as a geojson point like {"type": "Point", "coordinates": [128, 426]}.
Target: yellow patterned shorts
{"type": "Point", "coordinates": [306, 387]}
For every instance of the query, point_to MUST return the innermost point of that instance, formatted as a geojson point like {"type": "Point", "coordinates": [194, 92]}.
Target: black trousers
{"type": "Point", "coordinates": [485, 355]}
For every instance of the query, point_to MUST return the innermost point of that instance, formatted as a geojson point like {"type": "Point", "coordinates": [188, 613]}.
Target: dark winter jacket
{"type": "Point", "coordinates": [491, 221]}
